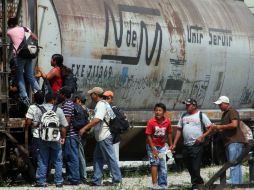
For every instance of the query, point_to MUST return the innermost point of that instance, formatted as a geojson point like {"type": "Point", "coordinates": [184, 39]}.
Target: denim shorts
{"type": "Point", "coordinates": [162, 155]}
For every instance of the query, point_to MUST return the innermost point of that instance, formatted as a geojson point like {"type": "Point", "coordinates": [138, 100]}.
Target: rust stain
{"type": "Point", "coordinates": [174, 24]}
{"type": "Point", "coordinates": [96, 53]}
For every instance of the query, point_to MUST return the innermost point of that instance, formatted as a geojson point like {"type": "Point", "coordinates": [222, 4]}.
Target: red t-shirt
{"type": "Point", "coordinates": [56, 82]}
{"type": "Point", "coordinates": [158, 131]}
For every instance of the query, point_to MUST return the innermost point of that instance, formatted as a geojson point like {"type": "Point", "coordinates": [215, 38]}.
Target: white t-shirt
{"type": "Point", "coordinates": [192, 128]}
{"type": "Point", "coordinates": [34, 113]}
{"type": "Point", "coordinates": [101, 130]}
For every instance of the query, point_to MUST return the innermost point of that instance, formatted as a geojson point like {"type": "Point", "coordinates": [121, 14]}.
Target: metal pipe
{"type": "Point", "coordinates": [4, 34]}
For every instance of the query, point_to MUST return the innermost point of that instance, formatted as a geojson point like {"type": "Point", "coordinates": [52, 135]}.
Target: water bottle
{"type": "Point", "coordinates": [170, 157]}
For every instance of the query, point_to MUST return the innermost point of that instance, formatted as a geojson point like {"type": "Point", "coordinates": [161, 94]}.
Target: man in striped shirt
{"type": "Point", "coordinates": [71, 146]}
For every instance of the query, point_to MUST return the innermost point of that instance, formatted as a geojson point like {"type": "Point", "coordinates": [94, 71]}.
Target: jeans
{"type": "Point", "coordinates": [24, 67]}
{"type": "Point", "coordinates": [233, 151]}
{"type": "Point", "coordinates": [82, 159]}
{"type": "Point", "coordinates": [192, 156]}
{"type": "Point", "coordinates": [71, 152]}
{"type": "Point", "coordinates": [104, 152]}
{"type": "Point", "coordinates": [116, 149]}
{"type": "Point", "coordinates": [161, 163]}
{"type": "Point", "coordinates": [49, 151]}
{"type": "Point", "coordinates": [35, 150]}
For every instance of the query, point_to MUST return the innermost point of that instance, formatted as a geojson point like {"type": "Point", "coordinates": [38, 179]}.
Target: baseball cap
{"type": "Point", "coordinates": [82, 97]}
{"type": "Point", "coordinates": [96, 90]}
{"type": "Point", "coordinates": [222, 99]}
{"type": "Point", "coordinates": [108, 93]}
{"type": "Point", "coordinates": [190, 101]}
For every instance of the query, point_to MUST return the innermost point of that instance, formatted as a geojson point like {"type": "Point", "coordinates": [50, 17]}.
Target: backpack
{"type": "Point", "coordinates": [69, 79]}
{"type": "Point", "coordinates": [80, 118]}
{"type": "Point", "coordinates": [119, 124]}
{"type": "Point", "coordinates": [50, 125]}
{"type": "Point", "coordinates": [246, 131]}
{"type": "Point", "coordinates": [28, 49]}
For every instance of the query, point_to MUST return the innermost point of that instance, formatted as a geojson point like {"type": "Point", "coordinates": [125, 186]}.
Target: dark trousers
{"type": "Point", "coordinates": [192, 156]}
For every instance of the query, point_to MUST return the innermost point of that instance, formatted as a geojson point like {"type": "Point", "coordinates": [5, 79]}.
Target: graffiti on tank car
{"type": "Point", "coordinates": [131, 38]}
{"type": "Point", "coordinates": [177, 62]}
{"type": "Point", "coordinates": [90, 75]}
{"type": "Point", "coordinates": [246, 96]}
{"type": "Point", "coordinates": [220, 37]}
{"type": "Point", "coordinates": [132, 35]}
{"type": "Point", "coordinates": [195, 34]}
{"type": "Point", "coordinates": [199, 89]}
{"type": "Point", "coordinates": [216, 36]}
{"type": "Point", "coordinates": [90, 71]}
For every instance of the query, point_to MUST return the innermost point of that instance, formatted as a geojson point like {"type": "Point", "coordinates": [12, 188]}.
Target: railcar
{"type": "Point", "coordinates": [145, 51]}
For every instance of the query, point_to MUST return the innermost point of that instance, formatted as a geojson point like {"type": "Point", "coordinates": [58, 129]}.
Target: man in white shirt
{"type": "Point", "coordinates": [31, 117]}
{"type": "Point", "coordinates": [50, 150]}
{"type": "Point", "coordinates": [192, 128]}
{"type": "Point", "coordinates": [104, 147]}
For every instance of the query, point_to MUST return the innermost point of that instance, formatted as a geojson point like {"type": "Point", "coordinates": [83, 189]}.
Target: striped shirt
{"type": "Point", "coordinates": [68, 109]}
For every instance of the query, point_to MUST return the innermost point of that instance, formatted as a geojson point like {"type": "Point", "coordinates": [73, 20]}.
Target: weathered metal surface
{"type": "Point", "coordinates": [141, 117]}
{"type": "Point", "coordinates": [155, 51]}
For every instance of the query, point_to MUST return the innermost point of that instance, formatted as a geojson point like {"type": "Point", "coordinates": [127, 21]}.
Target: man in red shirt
{"type": "Point", "coordinates": [158, 128]}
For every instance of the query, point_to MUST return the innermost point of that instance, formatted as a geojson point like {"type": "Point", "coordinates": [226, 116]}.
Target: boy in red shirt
{"type": "Point", "coordinates": [158, 128]}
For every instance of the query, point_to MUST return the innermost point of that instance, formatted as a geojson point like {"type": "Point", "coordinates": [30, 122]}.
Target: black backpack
{"type": "Point", "coordinates": [69, 80]}
{"type": "Point", "coordinates": [119, 124]}
{"type": "Point", "coordinates": [80, 118]}
{"type": "Point", "coordinates": [28, 49]}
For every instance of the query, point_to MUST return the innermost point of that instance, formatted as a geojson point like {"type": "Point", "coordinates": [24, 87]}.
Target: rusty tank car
{"type": "Point", "coordinates": [147, 52]}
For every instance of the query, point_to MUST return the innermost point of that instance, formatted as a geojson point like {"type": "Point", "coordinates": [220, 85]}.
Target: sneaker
{"type": "Point", "coordinates": [71, 182]}
{"type": "Point", "coordinates": [108, 183]}
{"type": "Point", "coordinates": [60, 185]}
{"type": "Point", "coordinates": [154, 186]}
{"type": "Point", "coordinates": [25, 101]}
{"type": "Point", "coordinates": [84, 181]}
{"type": "Point", "coordinates": [39, 185]}
{"type": "Point", "coordinates": [163, 187]}
{"type": "Point", "coordinates": [94, 184]}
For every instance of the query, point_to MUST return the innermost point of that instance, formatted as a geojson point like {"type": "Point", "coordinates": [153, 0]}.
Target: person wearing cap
{"type": "Point", "coordinates": [104, 151]}
{"type": "Point", "coordinates": [232, 137]}
{"type": "Point", "coordinates": [71, 146]}
{"type": "Point", "coordinates": [190, 127]}
{"type": "Point", "coordinates": [108, 95]}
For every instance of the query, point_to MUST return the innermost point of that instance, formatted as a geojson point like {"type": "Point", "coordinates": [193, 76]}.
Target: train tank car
{"type": "Point", "coordinates": [153, 51]}
{"type": "Point", "coordinates": [150, 51]}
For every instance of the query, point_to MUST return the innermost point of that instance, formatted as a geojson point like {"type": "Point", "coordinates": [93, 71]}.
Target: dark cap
{"type": "Point", "coordinates": [82, 97]}
{"type": "Point", "coordinates": [190, 101]}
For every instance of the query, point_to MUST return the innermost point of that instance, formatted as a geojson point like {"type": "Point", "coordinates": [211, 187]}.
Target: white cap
{"type": "Point", "coordinates": [222, 99]}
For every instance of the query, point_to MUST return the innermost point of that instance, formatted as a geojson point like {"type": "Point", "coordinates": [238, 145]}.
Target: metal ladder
{"type": "Point", "coordinates": [4, 96]}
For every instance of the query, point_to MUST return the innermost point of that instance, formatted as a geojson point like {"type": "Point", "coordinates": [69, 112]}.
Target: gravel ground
{"type": "Point", "coordinates": [176, 180]}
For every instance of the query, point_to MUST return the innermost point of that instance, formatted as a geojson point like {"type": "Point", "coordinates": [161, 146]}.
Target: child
{"type": "Point", "coordinates": [157, 129]}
